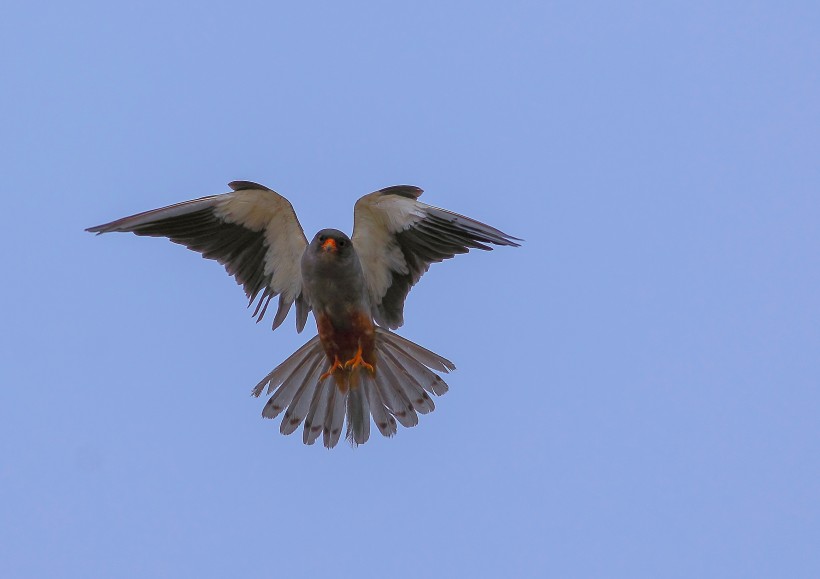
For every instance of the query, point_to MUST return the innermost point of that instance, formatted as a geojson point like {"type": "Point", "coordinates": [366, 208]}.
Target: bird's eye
{"type": "Point", "coordinates": [322, 238]}
{"type": "Point", "coordinates": [342, 243]}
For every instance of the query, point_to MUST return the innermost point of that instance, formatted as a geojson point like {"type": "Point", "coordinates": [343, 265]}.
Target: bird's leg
{"type": "Point", "coordinates": [357, 361]}
{"type": "Point", "coordinates": [337, 365]}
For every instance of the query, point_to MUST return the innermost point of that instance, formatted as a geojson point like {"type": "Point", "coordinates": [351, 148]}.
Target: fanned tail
{"type": "Point", "coordinates": [398, 390]}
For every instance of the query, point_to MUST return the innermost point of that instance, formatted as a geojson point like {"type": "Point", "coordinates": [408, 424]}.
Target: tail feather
{"type": "Point", "coordinates": [293, 385]}
{"type": "Point", "coordinates": [314, 421]}
{"type": "Point", "coordinates": [423, 355]}
{"type": "Point", "coordinates": [334, 418]}
{"type": "Point", "coordinates": [396, 400]}
{"type": "Point", "coordinates": [287, 367]}
{"type": "Point", "coordinates": [405, 375]}
{"type": "Point", "coordinates": [420, 400]}
{"type": "Point", "coordinates": [385, 422]}
{"type": "Point", "coordinates": [358, 414]}
{"type": "Point", "coordinates": [420, 373]}
{"type": "Point", "coordinates": [298, 408]}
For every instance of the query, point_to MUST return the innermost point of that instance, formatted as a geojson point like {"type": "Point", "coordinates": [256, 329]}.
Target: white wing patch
{"type": "Point", "coordinates": [398, 237]}
{"type": "Point", "coordinates": [378, 218]}
{"type": "Point", "coordinates": [265, 210]}
{"type": "Point", "coordinates": [253, 231]}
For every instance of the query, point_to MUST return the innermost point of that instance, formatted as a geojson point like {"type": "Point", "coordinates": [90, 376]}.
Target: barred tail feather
{"type": "Point", "coordinates": [291, 386]}
{"type": "Point", "coordinates": [298, 409]}
{"type": "Point", "coordinates": [309, 350]}
{"type": "Point", "coordinates": [315, 419]}
{"type": "Point", "coordinates": [416, 372]}
{"type": "Point", "coordinates": [397, 392]}
{"type": "Point", "coordinates": [334, 418]}
{"type": "Point", "coordinates": [410, 388]}
{"type": "Point", "coordinates": [358, 413]}
{"type": "Point", "coordinates": [423, 355]}
{"type": "Point", "coordinates": [384, 420]}
{"type": "Point", "coordinates": [394, 398]}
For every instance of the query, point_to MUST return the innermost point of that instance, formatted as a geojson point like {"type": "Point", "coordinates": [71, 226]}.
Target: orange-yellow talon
{"type": "Point", "coordinates": [357, 361]}
{"type": "Point", "coordinates": [337, 365]}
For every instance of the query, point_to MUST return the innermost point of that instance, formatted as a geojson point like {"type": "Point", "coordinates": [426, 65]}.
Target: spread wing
{"type": "Point", "coordinates": [252, 231]}
{"type": "Point", "coordinates": [397, 238]}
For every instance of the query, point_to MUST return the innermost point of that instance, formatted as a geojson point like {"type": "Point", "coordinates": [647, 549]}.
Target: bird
{"type": "Point", "coordinates": [356, 366]}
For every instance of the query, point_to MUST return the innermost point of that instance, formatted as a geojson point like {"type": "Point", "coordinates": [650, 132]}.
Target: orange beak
{"type": "Point", "coordinates": [329, 244]}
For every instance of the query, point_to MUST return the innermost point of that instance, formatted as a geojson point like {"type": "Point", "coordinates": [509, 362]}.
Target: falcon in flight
{"type": "Point", "coordinates": [355, 287]}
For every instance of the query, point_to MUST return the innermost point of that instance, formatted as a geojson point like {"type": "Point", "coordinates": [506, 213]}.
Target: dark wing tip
{"type": "Point", "coordinates": [513, 241]}
{"type": "Point", "coordinates": [409, 191]}
{"type": "Point", "coordinates": [473, 230]}
{"type": "Point", "coordinates": [509, 240]}
{"type": "Point", "coordinates": [104, 228]}
{"type": "Point", "coordinates": [242, 185]}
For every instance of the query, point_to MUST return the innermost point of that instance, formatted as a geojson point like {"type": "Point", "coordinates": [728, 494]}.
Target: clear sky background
{"type": "Point", "coordinates": [637, 392]}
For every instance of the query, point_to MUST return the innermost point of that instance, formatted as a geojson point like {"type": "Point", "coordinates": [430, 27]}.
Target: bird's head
{"type": "Point", "coordinates": [331, 242]}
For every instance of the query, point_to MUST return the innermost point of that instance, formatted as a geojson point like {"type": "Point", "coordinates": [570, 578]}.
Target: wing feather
{"type": "Point", "coordinates": [397, 238]}
{"type": "Point", "coordinates": [252, 231]}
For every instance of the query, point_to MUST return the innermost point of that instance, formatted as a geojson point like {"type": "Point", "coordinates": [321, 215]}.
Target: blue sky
{"type": "Point", "coordinates": [637, 386]}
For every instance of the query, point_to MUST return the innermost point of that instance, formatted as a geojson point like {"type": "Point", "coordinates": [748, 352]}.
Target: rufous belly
{"type": "Point", "coordinates": [349, 346]}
